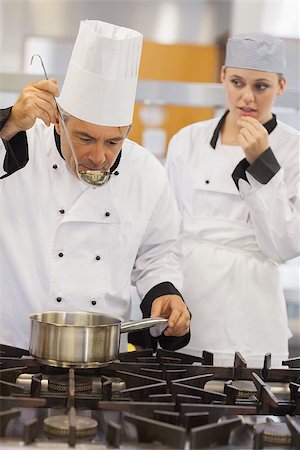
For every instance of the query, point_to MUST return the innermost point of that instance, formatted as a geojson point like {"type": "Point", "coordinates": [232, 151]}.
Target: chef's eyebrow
{"type": "Point", "coordinates": [83, 134]}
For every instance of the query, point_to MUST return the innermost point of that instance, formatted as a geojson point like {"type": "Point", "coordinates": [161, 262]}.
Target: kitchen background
{"type": "Point", "coordinates": [179, 76]}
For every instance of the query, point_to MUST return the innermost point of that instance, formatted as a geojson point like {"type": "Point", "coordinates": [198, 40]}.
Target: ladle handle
{"type": "Point", "coordinates": [63, 123]}
{"type": "Point", "coordinates": [136, 325]}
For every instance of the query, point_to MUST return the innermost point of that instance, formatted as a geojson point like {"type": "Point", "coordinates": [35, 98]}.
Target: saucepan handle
{"type": "Point", "coordinates": [135, 325]}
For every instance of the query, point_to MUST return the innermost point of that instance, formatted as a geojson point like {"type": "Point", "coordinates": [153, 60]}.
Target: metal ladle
{"type": "Point", "coordinates": [93, 178]}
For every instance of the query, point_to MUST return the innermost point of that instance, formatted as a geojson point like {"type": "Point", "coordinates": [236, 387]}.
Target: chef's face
{"type": "Point", "coordinates": [251, 92]}
{"type": "Point", "coordinates": [96, 147]}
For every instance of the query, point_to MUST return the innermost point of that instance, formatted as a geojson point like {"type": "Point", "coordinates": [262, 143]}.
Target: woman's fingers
{"type": "Point", "coordinates": [253, 138]}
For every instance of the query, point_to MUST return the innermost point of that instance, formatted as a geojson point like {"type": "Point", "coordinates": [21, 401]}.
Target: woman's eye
{"type": "Point", "coordinates": [261, 86]}
{"type": "Point", "coordinates": [236, 83]}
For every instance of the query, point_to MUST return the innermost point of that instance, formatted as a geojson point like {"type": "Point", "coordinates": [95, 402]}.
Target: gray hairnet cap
{"type": "Point", "coordinates": [256, 51]}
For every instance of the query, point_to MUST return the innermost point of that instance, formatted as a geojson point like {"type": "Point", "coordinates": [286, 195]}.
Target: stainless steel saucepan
{"type": "Point", "coordinates": [80, 339]}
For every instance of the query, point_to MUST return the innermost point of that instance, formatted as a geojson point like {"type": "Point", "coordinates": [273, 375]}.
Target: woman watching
{"type": "Point", "coordinates": [236, 180]}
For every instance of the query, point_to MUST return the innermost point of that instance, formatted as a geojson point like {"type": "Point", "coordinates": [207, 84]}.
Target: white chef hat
{"type": "Point", "coordinates": [100, 84]}
{"type": "Point", "coordinates": [256, 51]}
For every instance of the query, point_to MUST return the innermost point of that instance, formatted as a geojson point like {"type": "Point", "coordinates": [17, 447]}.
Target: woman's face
{"type": "Point", "coordinates": [251, 92]}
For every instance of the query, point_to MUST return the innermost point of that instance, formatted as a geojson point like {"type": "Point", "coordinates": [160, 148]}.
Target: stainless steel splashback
{"type": "Point", "coordinates": [172, 21]}
{"type": "Point", "coordinates": [160, 92]}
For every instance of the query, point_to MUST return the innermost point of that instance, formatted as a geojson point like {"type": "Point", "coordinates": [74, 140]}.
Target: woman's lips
{"type": "Point", "coordinates": [247, 111]}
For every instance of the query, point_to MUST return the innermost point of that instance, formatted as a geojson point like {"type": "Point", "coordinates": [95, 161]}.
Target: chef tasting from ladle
{"type": "Point", "coordinates": [236, 181]}
{"type": "Point", "coordinates": [65, 244]}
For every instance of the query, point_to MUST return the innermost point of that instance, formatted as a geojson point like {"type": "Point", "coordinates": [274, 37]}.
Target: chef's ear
{"type": "Point", "coordinates": [57, 127]}
{"type": "Point", "coordinates": [222, 74]}
{"type": "Point", "coordinates": [128, 130]}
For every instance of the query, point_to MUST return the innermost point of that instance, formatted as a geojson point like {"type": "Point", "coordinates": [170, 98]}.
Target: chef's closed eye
{"type": "Point", "coordinates": [83, 137]}
{"type": "Point", "coordinates": [86, 139]}
{"type": "Point", "coordinates": [113, 143]}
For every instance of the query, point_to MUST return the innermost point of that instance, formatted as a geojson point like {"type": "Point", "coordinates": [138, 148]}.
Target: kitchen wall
{"type": "Point", "coordinates": [49, 27]}
{"type": "Point", "coordinates": [166, 21]}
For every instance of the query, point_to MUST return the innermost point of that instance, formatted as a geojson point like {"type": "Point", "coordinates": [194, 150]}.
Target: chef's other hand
{"type": "Point", "coordinates": [253, 138]}
{"type": "Point", "coordinates": [173, 308]}
{"type": "Point", "coordinates": [35, 101]}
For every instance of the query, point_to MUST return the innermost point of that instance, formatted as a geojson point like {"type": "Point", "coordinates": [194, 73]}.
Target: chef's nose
{"type": "Point", "coordinates": [97, 155]}
{"type": "Point", "coordinates": [248, 95]}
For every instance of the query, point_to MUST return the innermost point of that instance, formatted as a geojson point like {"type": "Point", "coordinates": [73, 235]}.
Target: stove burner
{"type": "Point", "coordinates": [246, 388]}
{"type": "Point", "coordinates": [160, 399]}
{"type": "Point", "coordinates": [59, 426]}
{"type": "Point", "coordinates": [275, 433]}
{"type": "Point", "coordinates": [59, 383]}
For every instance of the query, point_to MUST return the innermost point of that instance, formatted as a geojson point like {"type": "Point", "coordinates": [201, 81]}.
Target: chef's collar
{"type": "Point", "coordinates": [57, 142]}
{"type": "Point", "coordinates": [269, 126]}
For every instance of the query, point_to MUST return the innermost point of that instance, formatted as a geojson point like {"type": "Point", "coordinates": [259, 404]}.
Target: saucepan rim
{"type": "Point", "coordinates": [41, 317]}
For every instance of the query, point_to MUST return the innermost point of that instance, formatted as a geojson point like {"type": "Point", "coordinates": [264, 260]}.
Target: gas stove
{"type": "Point", "coordinates": [147, 400]}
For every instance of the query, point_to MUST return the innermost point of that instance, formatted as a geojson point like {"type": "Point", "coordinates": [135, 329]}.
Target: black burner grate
{"type": "Point", "coordinates": [169, 398]}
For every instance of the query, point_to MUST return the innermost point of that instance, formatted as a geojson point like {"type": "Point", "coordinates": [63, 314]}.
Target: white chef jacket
{"type": "Point", "coordinates": [67, 246]}
{"type": "Point", "coordinates": [234, 239]}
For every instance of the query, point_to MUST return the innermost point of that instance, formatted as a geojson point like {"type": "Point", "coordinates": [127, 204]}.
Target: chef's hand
{"type": "Point", "coordinates": [253, 138]}
{"type": "Point", "coordinates": [35, 101]}
{"type": "Point", "coordinates": [173, 308]}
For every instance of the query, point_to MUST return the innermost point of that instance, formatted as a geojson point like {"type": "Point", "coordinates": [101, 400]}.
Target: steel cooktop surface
{"type": "Point", "coordinates": [147, 400]}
